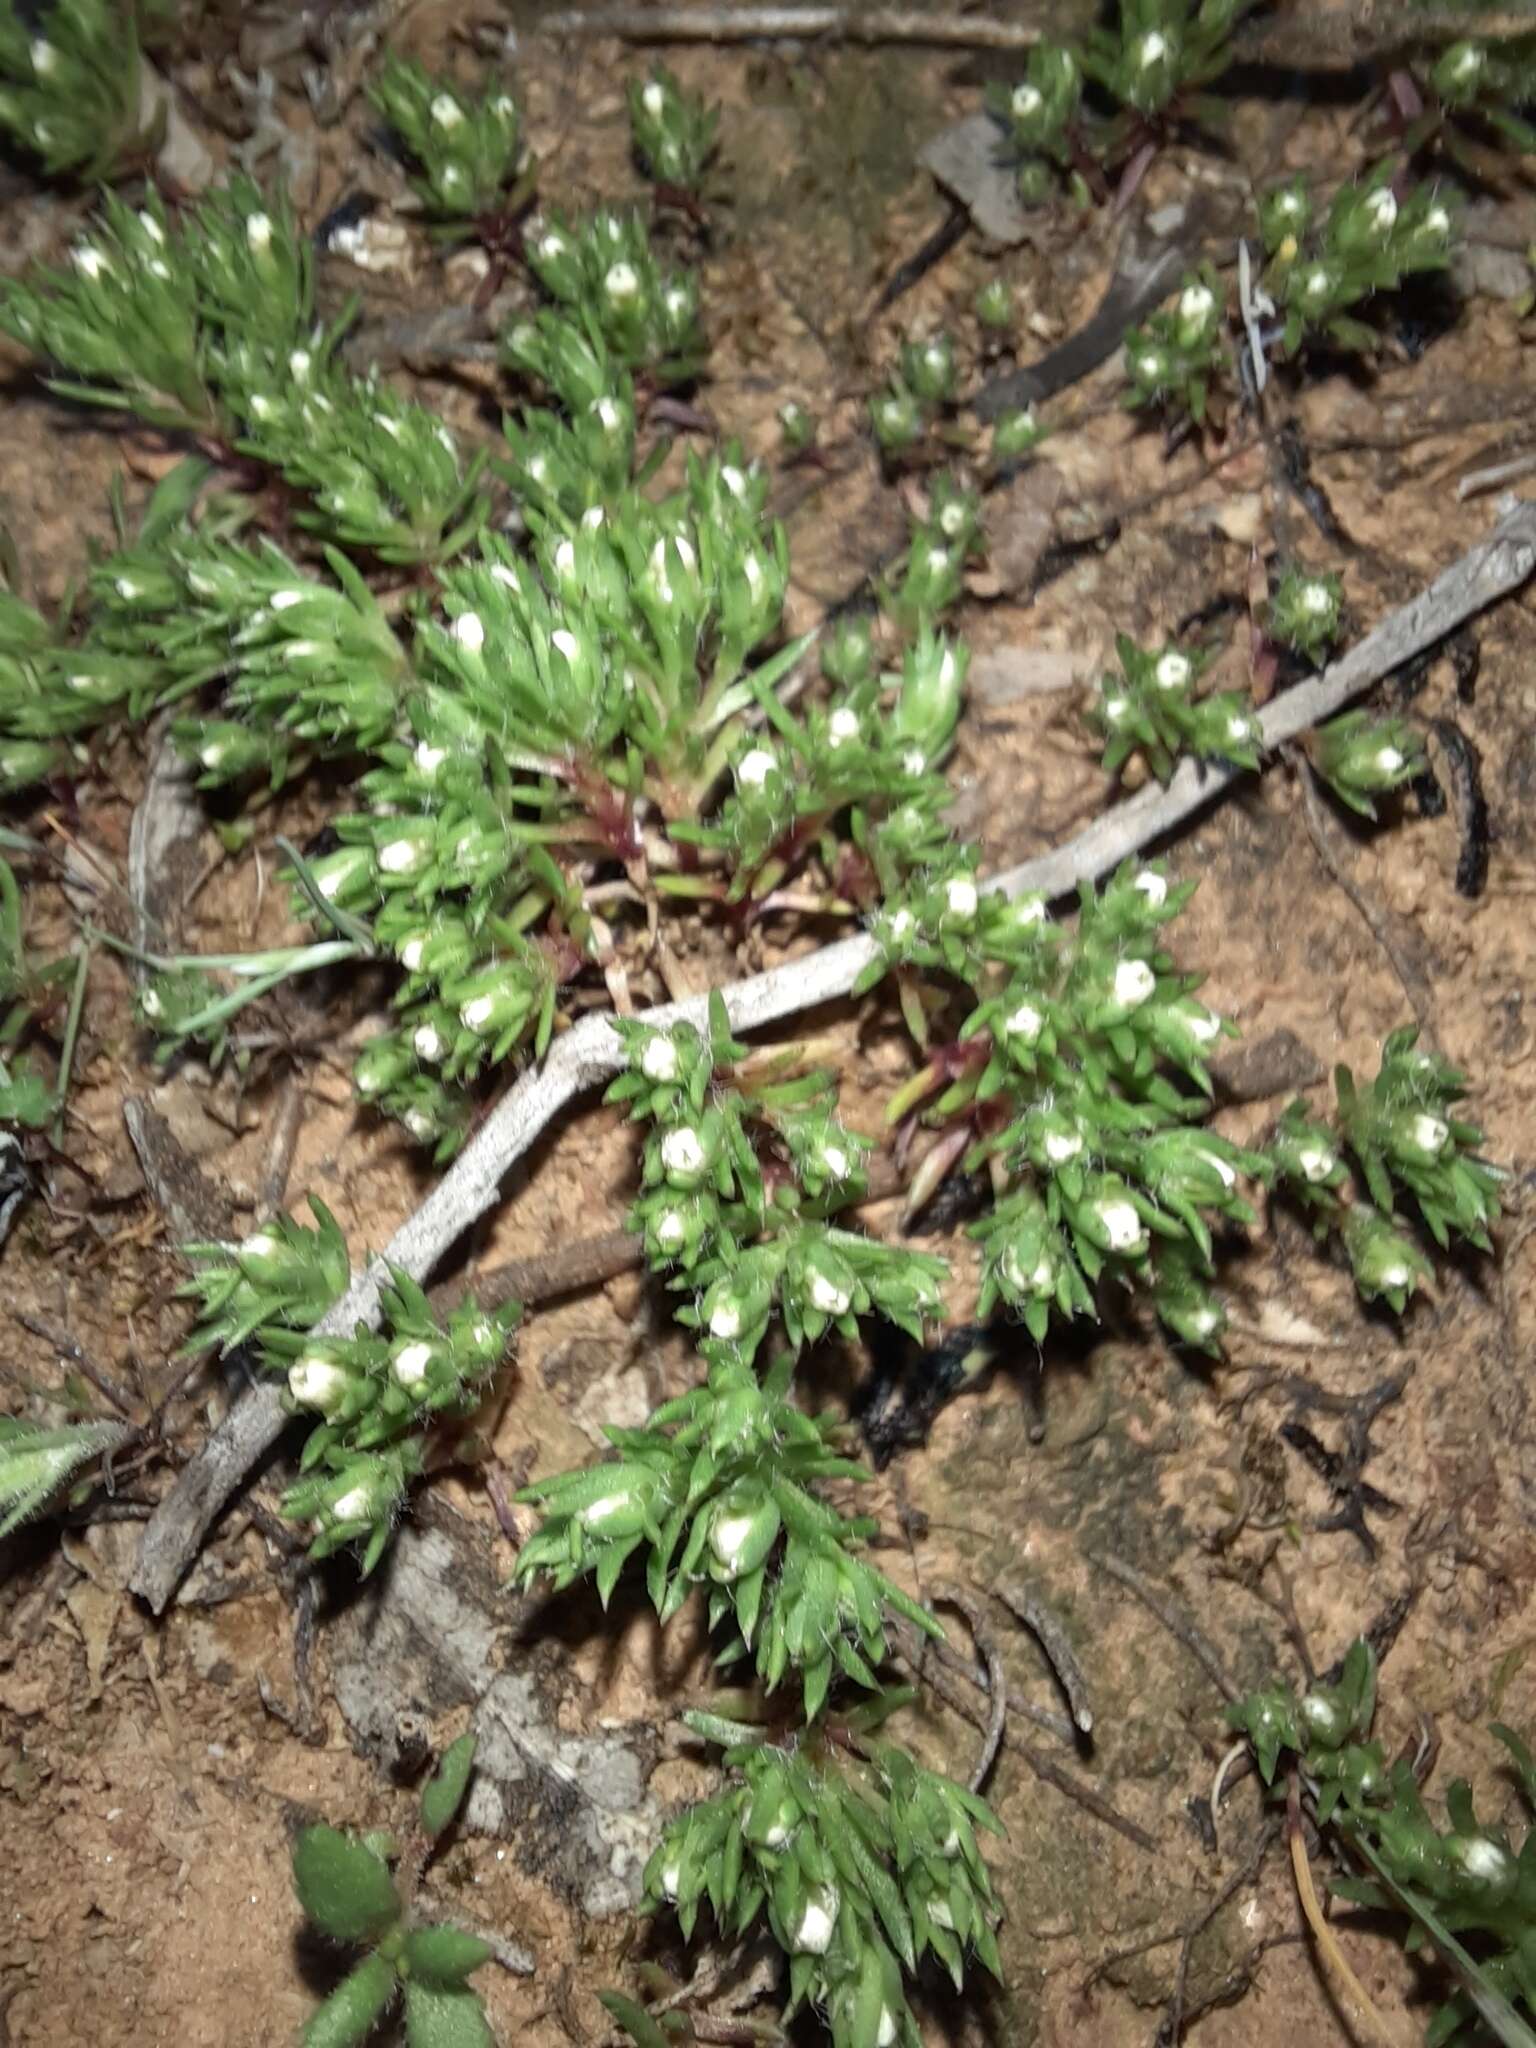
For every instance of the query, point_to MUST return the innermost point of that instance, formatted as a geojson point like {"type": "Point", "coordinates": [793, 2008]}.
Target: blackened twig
{"type": "Point", "coordinates": [1060, 1655]}
{"type": "Point", "coordinates": [917, 266]}
{"type": "Point", "coordinates": [71, 1348]}
{"type": "Point", "coordinates": [997, 1678]}
{"type": "Point", "coordinates": [1464, 766]}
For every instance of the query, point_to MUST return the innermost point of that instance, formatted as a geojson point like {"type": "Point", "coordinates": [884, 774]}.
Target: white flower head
{"type": "Point", "coordinates": [1060, 1146]}
{"type": "Point", "coordinates": [1196, 303]}
{"type": "Point", "coordinates": [843, 726]}
{"type": "Point", "coordinates": [399, 856]}
{"type": "Point", "coordinates": [682, 1151]}
{"type": "Point", "coordinates": [45, 57]}
{"type": "Point", "coordinates": [812, 1936]}
{"type": "Point", "coordinates": [1150, 365]}
{"type": "Point", "coordinates": [754, 768]}
{"type": "Point", "coordinates": [1173, 670]}
{"type": "Point", "coordinates": [429, 759]}
{"type": "Point", "coordinates": [728, 1537]}
{"type": "Point", "coordinates": [834, 1160]}
{"type": "Point", "coordinates": [1484, 1859]}
{"type": "Point", "coordinates": [653, 97]}
{"type": "Point", "coordinates": [411, 951]}
{"type": "Point", "coordinates": [410, 1364]}
{"type": "Point", "coordinates": [210, 756]}
{"type": "Point", "coordinates": [551, 248]}
{"type": "Point", "coordinates": [670, 1230]}
{"type": "Point", "coordinates": [914, 762]}
{"type": "Point", "coordinates": [1316, 600]}
{"type": "Point", "coordinates": [1025, 1022]}
{"type": "Point", "coordinates": [827, 1296]}
{"type": "Point", "coordinates": [90, 262]}
{"type": "Point", "coordinates": [725, 1321]}
{"type": "Point", "coordinates": [285, 600]}
{"type": "Point", "coordinates": [1394, 1276]}
{"type": "Point", "coordinates": [902, 923]}
{"type": "Point", "coordinates": [1437, 221]}
{"type": "Point", "coordinates": [622, 281]}
{"type": "Point", "coordinates": [1134, 982]}
{"type": "Point", "coordinates": [960, 897]}
{"type": "Point", "coordinates": [566, 643]}
{"type": "Point", "coordinates": [446, 111]}
{"type": "Point", "coordinates": [428, 1043]}
{"type": "Point", "coordinates": [1204, 1026]}
{"type": "Point", "coordinates": [316, 1383]}
{"type": "Point", "coordinates": [1430, 1133]}
{"type": "Point", "coordinates": [258, 233]}
{"type": "Point", "coordinates": [1121, 1224]}
{"type": "Point", "coordinates": [1114, 709]}
{"type": "Point", "coordinates": [353, 1506]}
{"type": "Point", "coordinates": [477, 1012]}
{"type": "Point", "coordinates": [469, 631]}
{"type": "Point", "coordinates": [565, 560]}
{"type": "Point", "coordinates": [1381, 205]}
{"type": "Point", "coordinates": [658, 1060]}
{"type": "Point", "coordinates": [1152, 49]}
{"type": "Point", "coordinates": [1316, 1162]}
{"type": "Point", "coordinates": [1239, 727]}
{"type": "Point", "coordinates": [153, 231]}
{"type": "Point", "coordinates": [733, 479]}
{"type": "Point", "coordinates": [1153, 886]}
{"type": "Point", "coordinates": [1026, 100]}
{"type": "Point", "coordinates": [1388, 761]}
{"type": "Point", "coordinates": [1220, 1168]}
{"type": "Point", "coordinates": [420, 1125]}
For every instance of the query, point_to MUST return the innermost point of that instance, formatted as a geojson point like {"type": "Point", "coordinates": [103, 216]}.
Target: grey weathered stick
{"type": "Point", "coordinates": [590, 1053]}
{"type": "Point", "coordinates": [1060, 1655]}
{"type": "Point", "coordinates": [746, 24]}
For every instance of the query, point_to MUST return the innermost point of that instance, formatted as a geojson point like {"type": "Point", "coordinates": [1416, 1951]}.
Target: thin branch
{"type": "Point", "coordinates": [997, 1678]}
{"type": "Point", "coordinates": [591, 1052]}
{"type": "Point", "coordinates": [1173, 1618]}
{"type": "Point", "coordinates": [1052, 1638]}
{"type": "Point", "coordinates": [748, 24]}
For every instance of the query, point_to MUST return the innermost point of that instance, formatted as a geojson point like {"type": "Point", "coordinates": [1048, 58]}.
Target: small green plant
{"type": "Point", "coordinates": [1304, 613]}
{"type": "Point", "coordinates": [1403, 1137]}
{"type": "Point", "coordinates": [1466, 1890]}
{"type": "Point", "coordinates": [859, 1860]}
{"type": "Point", "coordinates": [375, 1399]}
{"type": "Point", "coordinates": [71, 82]}
{"type": "Point", "coordinates": [1151, 707]}
{"type": "Point", "coordinates": [1463, 105]}
{"type": "Point", "coordinates": [1324, 271]}
{"type": "Point", "coordinates": [1173, 360]}
{"type": "Point", "coordinates": [675, 132]}
{"type": "Point", "coordinates": [465, 152]}
{"type": "Point", "coordinates": [1040, 117]}
{"type": "Point", "coordinates": [1360, 757]}
{"type": "Point", "coordinates": [349, 1894]}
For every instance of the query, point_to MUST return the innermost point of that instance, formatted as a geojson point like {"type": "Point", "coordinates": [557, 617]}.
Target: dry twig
{"type": "Point", "coordinates": [736, 24]}
{"type": "Point", "coordinates": [1173, 1618]}
{"type": "Point", "coordinates": [591, 1052]}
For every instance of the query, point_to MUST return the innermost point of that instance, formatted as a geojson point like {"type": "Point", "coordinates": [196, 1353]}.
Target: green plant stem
{"type": "Point", "coordinates": [71, 1039]}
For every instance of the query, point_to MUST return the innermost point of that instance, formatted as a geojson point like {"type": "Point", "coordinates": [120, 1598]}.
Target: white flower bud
{"type": "Point", "coordinates": [622, 281]}
{"type": "Point", "coordinates": [353, 1506]}
{"type": "Point", "coordinates": [842, 726]}
{"type": "Point", "coordinates": [658, 1061]}
{"type": "Point", "coordinates": [477, 1012]}
{"type": "Point", "coordinates": [1196, 303]}
{"type": "Point", "coordinates": [258, 234]}
{"type": "Point", "coordinates": [1134, 982]}
{"type": "Point", "coordinates": [653, 97]}
{"type": "Point", "coordinates": [1483, 1859]}
{"type": "Point", "coordinates": [725, 1321]}
{"type": "Point", "coordinates": [914, 762]}
{"type": "Point", "coordinates": [813, 1935]}
{"type": "Point", "coordinates": [429, 759]}
{"type": "Point", "coordinates": [90, 262]}
{"type": "Point", "coordinates": [728, 1537]}
{"type": "Point", "coordinates": [317, 1383]}
{"type": "Point", "coordinates": [410, 1365]}
{"type": "Point", "coordinates": [1152, 49]}
{"type": "Point", "coordinates": [410, 953]}
{"type": "Point", "coordinates": [1316, 600]}
{"type": "Point", "coordinates": [1114, 709]}
{"type": "Point", "coordinates": [960, 897]}
{"type": "Point", "coordinates": [1025, 100]}
{"type": "Point", "coordinates": [566, 643]}
{"type": "Point", "coordinates": [1173, 670]}
{"type": "Point", "coordinates": [670, 1230]}
{"type": "Point", "coordinates": [828, 1297]}
{"type": "Point", "coordinates": [1060, 1146]}
{"type": "Point", "coordinates": [45, 57]}
{"type": "Point", "coordinates": [681, 1150]}
{"type": "Point", "coordinates": [1025, 1022]}
{"type": "Point", "coordinates": [755, 768]}
{"type": "Point", "coordinates": [1153, 887]}
{"type": "Point", "coordinates": [1122, 1226]}
{"type": "Point", "coordinates": [469, 631]}
{"type": "Point", "coordinates": [1204, 1026]}
{"type": "Point", "coordinates": [1381, 205]}
{"type": "Point", "coordinates": [399, 856]}
{"type": "Point", "coordinates": [1221, 1169]}
{"type": "Point", "coordinates": [428, 1043]}
{"type": "Point", "coordinates": [446, 111]}
{"type": "Point", "coordinates": [1316, 1162]}
{"type": "Point", "coordinates": [1388, 761]}
{"type": "Point", "coordinates": [834, 1161]}
{"type": "Point", "coordinates": [1430, 1133]}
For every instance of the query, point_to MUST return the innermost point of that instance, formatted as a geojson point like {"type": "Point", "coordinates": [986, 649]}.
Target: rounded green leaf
{"type": "Point", "coordinates": [445, 2019]}
{"type": "Point", "coordinates": [344, 1888]}
{"type": "Point", "coordinates": [444, 1956]}
{"type": "Point", "coordinates": [354, 2008]}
